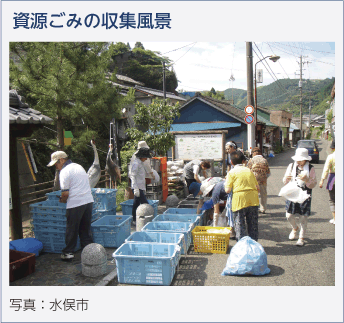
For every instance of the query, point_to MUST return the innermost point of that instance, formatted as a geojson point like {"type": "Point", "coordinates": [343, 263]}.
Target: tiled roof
{"type": "Point", "coordinates": [225, 106]}
{"type": "Point", "coordinates": [266, 122]}
{"type": "Point", "coordinates": [20, 113]}
{"type": "Point", "coordinates": [127, 79]}
{"type": "Point", "coordinates": [159, 93]}
{"type": "Point", "coordinates": [198, 126]}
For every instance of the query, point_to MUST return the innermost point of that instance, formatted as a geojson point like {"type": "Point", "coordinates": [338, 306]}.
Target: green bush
{"type": "Point", "coordinates": [278, 147]}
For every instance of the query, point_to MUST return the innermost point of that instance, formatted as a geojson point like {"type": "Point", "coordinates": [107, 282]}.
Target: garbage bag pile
{"type": "Point", "coordinates": [247, 257]}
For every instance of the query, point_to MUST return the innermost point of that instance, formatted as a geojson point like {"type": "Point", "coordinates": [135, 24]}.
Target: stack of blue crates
{"type": "Point", "coordinates": [150, 257]}
{"type": "Point", "coordinates": [49, 218]}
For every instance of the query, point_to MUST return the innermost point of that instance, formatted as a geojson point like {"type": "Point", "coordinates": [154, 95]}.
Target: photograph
{"type": "Point", "coordinates": [139, 156]}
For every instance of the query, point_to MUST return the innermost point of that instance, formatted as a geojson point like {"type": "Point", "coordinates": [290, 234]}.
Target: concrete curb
{"type": "Point", "coordinates": [107, 279]}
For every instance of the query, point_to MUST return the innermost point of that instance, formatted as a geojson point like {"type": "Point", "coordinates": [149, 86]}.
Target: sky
{"type": "Point", "coordinates": [202, 65]}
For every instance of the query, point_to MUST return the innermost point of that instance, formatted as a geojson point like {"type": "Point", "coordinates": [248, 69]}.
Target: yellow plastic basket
{"type": "Point", "coordinates": [210, 242]}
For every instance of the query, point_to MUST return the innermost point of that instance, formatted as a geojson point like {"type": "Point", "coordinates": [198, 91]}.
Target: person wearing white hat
{"type": "Point", "coordinates": [304, 173]}
{"type": "Point", "coordinates": [146, 164]}
{"type": "Point", "coordinates": [76, 192]}
{"type": "Point", "coordinates": [138, 181]}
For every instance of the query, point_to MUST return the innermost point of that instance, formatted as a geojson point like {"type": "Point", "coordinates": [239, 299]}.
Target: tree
{"type": "Point", "coordinates": [144, 66]}
{"type": "Point", "coordinates": [68, 82]}
{"type": "Point", "coordinates": [155, 122]}
{"type": "Point", "coordinates": [215, 95]}
{"type": "Point", "coordinates": [139, 45]}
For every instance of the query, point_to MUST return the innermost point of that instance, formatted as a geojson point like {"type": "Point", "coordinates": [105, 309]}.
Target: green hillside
{"type": "Point", "coordinates": [285, 95]}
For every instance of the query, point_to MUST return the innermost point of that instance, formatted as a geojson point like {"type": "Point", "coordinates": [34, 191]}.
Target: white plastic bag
{"type": "Point", "coordinates": [293, 193]}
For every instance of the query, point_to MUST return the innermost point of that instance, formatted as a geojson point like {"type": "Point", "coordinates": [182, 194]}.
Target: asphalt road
{"type": "Point", "coordinates": [290, 265]}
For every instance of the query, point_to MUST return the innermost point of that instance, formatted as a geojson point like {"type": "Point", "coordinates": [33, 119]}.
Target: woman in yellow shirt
{"type": "Point", "coordinates": [245, 201]}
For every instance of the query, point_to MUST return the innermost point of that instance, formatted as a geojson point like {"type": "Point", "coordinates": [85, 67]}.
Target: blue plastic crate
{"type": "Point", "coordinates": [111, 230]}
{"type": "Point", "coordinates": [146, 263]}
{"type": "Point", "coordinates": [127, 206]}
{"type": "Point", "coordinates": [53, 242]}
{"type": "Point", "coordinates": [106, 197]}
{"type": "Point", "coordinates": [49, 226]}
{"type": "Point", "coordinates": [179, 218]}
{"type": "Point", "coordinates": [98, 214]}
{"type": "Point", "coordinates": [173, 227]}
{"type": "Point", "coordinates": [159, 237]}
{"type": "Point", "coordinates": [186, 211]}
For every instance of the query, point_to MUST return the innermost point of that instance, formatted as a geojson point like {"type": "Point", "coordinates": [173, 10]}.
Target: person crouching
{"type": "Point", "coordinates": [245, 201]}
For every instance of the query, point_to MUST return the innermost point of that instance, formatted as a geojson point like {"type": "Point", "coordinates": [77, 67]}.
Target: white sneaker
{"type": "Point", "coordinates": [67, 256]}
{"type": "Point", "coordinates": [300, 242]}
{"type": "Point", "coordinates": [293, 233]}
{"type": "Point", "coordinates": [332, 221]}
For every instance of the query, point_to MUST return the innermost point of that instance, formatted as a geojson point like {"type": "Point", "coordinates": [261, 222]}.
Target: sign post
{"type": "Point", "coordinates": [249, 120]}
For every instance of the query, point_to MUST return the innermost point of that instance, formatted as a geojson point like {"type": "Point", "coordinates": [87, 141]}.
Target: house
{"type": "Point", "coordinates": [283, 120]}
{"type": "Point", "coordinates": [202, 113]}
{"type": "Point", "coordinates": [23, 121]}
{"type": "Point", "coordinates": [142, 94]}
{"type": "Point", "coordinates": [294, 134]}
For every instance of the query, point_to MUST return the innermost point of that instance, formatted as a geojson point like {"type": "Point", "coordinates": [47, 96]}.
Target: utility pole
{"type": "Point", "coordinates": [300, 86]}
{"type": "Point", "coordinates": [251, 140]}
{"type": "Point", "coordinates": [164, 80]}
{"type": "Point", "coordinates": [310, 106]}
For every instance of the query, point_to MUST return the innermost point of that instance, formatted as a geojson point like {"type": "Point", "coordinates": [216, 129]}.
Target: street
{"type": "Point", "coordinates": [310, 265]}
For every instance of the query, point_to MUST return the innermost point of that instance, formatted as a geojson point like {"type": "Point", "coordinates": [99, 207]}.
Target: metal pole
{"type": "Point", "coordinates": [301, 97]}
{"type": "Point", "coordinates": [255, 100]}
{"type": "Point", "coordinates": [249, 64]}
{"type": "Point", "coordinates": [164, 80]}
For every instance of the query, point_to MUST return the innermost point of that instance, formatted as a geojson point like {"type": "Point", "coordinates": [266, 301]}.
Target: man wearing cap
{"type": "Point", "coordinates": [76, 192]}
{"type": "Point", "coordinates": [137, 176]}
{"type": "Point", "coordinates": [260, 168]}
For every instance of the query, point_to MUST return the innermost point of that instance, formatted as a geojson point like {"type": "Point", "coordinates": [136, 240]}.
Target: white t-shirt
{"type": "Point", "coordinates": [74, 178]}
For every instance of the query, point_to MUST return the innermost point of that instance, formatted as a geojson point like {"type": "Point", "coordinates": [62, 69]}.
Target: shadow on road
{"type": "Point", "coordinates": [289, 248]}
{"type": "Point", "coordinates": [191, 272]}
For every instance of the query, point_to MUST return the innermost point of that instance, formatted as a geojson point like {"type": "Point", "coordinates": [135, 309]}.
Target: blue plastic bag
{"type": "Point", "coordinates": [247, 257]}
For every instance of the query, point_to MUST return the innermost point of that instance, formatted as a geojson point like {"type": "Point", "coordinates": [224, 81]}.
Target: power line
{"type": "Point", "coordinates": [270, 69]}
{"type": "Point", "coordinates": [313, 50]}
{"type": "Point", "coordinates": [184, 54]}
{"type": "Point", "coordinates": [178, 48]}
{"type": "Point", "coordinates": [279, 62]}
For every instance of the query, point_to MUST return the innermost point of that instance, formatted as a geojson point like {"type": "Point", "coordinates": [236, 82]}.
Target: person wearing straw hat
{"type": "Point", "coordinates": [304, 173]}
{"type": "Point", "coordinates": [214, 187]}
{"type": "Point", "coordinates": [146, 164]}
{"type": "Point", "coordinates": [76, 192]}
{"type": "Point", "coordinates": [138, 179]}
{"type": "Point", "coordinates": [329, 172]}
